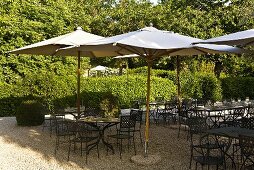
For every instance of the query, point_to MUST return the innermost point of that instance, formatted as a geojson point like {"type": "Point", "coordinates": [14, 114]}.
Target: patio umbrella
{"type": "Point", "coordinates": [241, 38]}
{"type": "Point", "coordinates": [151, 43]}
{"type": "Point", "coordinates": [50, 47]}
{"type": "Point", "coordinates": [99, 68]}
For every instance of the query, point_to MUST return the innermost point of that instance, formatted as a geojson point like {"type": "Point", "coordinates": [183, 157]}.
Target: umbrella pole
{"type": "Point", "coordinates": [179, 100]}
{"type": "Point", "coordinates": [149, 63]}
{"type": "Point", "coordinates": [78, 90]}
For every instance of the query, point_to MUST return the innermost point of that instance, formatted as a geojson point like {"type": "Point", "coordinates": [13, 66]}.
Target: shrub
{"type": "Point", "coordinates": [110, 105]}
{"type": "Point", "coordinates": [126, 90]}
{"type": "Point", "coordinates": [30, 113]}
{"type": "Point", "coordinates": [201, 86]}
{"type": "Point", "coordinates": [238, 87]}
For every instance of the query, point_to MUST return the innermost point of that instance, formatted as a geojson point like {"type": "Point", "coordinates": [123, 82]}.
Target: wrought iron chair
{"type": "Point", "coordinates": [63, 132]}
{"type": "Point", "coordinates": [168, 112]}
{"type": "Point", "coordinates": [248, 123]}
{"type": "Point", "coordinates": [247, 151]}
{"type": "Point", "coordinates": [211, 151]}
{"type": "Point", "coordinates": [125, 132]}
{"type": "Point", "coordinates": [196, 126]}
{"type": "Point", "coordinates": [84, 134]}
{"type": "Point", "coordinates": [50, 119]}
{"type": "Point", "coordinates": [138, 115]}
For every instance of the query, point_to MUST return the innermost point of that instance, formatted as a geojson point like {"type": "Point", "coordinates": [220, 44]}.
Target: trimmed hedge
{"type": "Point", "coordinates": [30, 113]}
{"type": "Point", "coordinates": [238, 87]}
{"type": "Point", "coordinates": [126, 89]}
{"type": "Point", "coordinates": [201, 86]}
{"type": "Point", "coordinates": [60, 91]}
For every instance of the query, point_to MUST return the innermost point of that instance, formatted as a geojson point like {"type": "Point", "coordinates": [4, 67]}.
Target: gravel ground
{"type": "Point", "coordinates": [30, 148]}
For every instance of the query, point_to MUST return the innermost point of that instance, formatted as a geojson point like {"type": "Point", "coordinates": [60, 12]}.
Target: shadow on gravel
{"type": "Point", "coordinates": [174, 151]}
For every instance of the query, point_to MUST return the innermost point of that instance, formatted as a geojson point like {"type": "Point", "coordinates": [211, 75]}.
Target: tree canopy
{"type": "Point", "coordinates": [30, 21]}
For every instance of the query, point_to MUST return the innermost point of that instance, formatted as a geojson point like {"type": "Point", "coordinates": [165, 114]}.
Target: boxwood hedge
{"type": "Point", "coordinates": [60, 91]}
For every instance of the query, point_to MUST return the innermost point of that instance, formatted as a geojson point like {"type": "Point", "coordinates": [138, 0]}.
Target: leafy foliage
{"type": "Point", "coordinates": [53, 79]}
{"type": "Point", "coordinates": [238, 87]}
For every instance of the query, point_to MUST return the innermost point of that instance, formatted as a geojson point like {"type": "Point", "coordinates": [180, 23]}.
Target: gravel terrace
{"type": "Point", "coordinates": [30, 148]}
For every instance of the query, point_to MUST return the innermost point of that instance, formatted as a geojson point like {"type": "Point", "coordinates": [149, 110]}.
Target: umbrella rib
{"type": "Point", "coordinates": [201, 50]}
{"type": "Point", "coordinates": [133, 50]}
{"type": "Point", "coordinates": [247, 43]}
{"type": "Point", "coordinates": [169, 52]}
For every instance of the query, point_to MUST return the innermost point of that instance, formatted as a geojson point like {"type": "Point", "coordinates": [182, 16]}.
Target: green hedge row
{"type": "Point", "coordinates": [193, 85]}
{"type": "Point", "coordinates": [238, 87]}
{"type": "Point", "coordinates": [60, 91]}
{"type": "Point", "coordinates": [201, 86]}
{"type": "Point", "coordinates": [126, 88]}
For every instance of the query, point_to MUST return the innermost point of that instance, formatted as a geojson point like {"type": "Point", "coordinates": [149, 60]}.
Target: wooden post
{"type": "Point", "coordinates": [149, 63]}
{"type": "Point", "coordinates": [179, 99]}
{"type": "Point", "coordinates": [78, 84]}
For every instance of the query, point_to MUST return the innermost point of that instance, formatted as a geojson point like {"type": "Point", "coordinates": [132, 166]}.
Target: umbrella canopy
{"type": "Point", "coordinates": [151, 43]}
{"type": "Point", "coordinates": [50, 47]}
{"type": "Point", "coordinates": [241, 38]}
{"type": "Point", "coordinates": [148, 41]}
{"type": "Point", "coordinates": [99, 68]}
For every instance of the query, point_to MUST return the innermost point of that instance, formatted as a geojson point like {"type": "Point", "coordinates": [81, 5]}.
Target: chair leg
{"type": "Point", "coordinates": [86, 152]}
{"type": "Point", "coordinates": [81, 148]}
{"type": "Point", "coordinates": [141, 141]}
{"type": "Point", "coordinates": [57, 143]}
{"type": "Point", "coordinates": [129, 144]}
{"type": "Point", "coordinates": [191, 159]}
{"type": "Point", "coordinates": [134, 145]}
{"type": "Point", "coordinates": [121, 145]}
{"type": "Point", "coordinates": [98, 151]}
{"type": "Point", "coordinates": [179, 129]}
{"type": "Point", "coordinates": [69, 150]}
{"type": "Point", "coordinates": [50, 128]}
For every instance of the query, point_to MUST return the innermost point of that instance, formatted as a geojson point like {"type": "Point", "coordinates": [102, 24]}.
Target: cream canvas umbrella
{"type": "Point", "coordinates": [50, 47]}
{"type": "Point", "coordinates": [150, 43]}
{"type": "Point", "coordinates": [99, 68]}
{"type": "Point", "coordinates": [241, 38]}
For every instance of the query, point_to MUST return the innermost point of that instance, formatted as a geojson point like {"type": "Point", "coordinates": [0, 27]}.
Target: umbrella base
{"type": "Point", "coordinates": [148, 160]}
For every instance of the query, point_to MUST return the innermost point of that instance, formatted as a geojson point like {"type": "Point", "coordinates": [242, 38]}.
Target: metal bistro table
{"type": "Point", "coordinates": [215, 114]}
{"type": "Point", "coordinates": [231, 132]}
{"type": "Point", "coordinates": [101, 124]}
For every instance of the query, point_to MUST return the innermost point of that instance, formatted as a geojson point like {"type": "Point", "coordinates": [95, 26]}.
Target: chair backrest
{"type": "Point", "coordinates": [250, 111]}
{"type": "Point", "coordinates": [127, 122]}
{"type": "Point", "coordinates": [239, 112]}
{"type": "Point", "coordinates": [246, 145]}
{"type": "Point", "coordinates": [247, 122]}
{"type": "Point", "coordinates": [85, 129]}
{"type": "Point", "coordinates": [64, 126]}
{"type": "Point", "coordinates": [137, 114]}
{"type": "Point", "coordinates": [214, 146]}
{"type": "Point", "coordinates": [197, 125]}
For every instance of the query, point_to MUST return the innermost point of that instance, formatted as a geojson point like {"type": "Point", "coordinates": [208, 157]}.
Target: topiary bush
{"type": "Point", "coordinates": [30, 113]}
